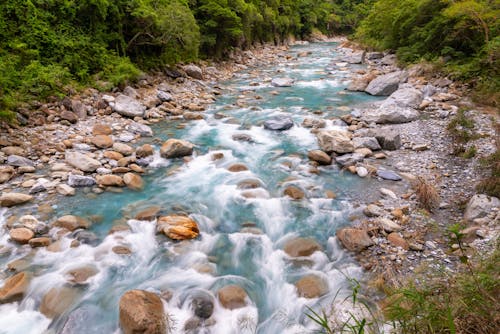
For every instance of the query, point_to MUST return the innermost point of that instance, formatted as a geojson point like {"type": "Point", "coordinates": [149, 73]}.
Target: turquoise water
{"type": "Point", "coordinates": [207, 191]}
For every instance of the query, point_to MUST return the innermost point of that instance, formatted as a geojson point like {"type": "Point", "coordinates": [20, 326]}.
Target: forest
{"type": "Point", "coordinates": [50, 45]}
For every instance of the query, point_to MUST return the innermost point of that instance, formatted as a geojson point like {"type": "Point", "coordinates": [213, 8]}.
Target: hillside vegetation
{"type": "Point", "coordinates": [47, 45]}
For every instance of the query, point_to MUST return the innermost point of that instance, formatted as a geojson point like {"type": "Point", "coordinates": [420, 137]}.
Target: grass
{"type": "Point", "coordinates": [461, 130]}
{"type": "Point", "coordinates": [427, 195]}
{"type": "Point", "coordinates": [491, 184]}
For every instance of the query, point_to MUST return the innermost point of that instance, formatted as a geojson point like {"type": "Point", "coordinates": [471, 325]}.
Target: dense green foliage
{"type": "Point", "coordinates": [461, 36]}
{"type": "Point", "coordinates": [48, 44]}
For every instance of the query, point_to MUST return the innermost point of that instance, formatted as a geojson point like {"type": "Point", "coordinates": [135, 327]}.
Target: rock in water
{"type": "Point", "coordinates": [11, 199]}
{"type": "Point", "coordinates": [386, 84]}
{"type": "Point", "coordinates": [278, 123]}
{"type": "Point", "coordinates": [128, 106]}
{"type": "Point", "coordinates": [301, 247]}
{"type": "Point", "coordinates": [14, 288]}
{"type": "Point", "coordinates": [320, 157]}
{"type": "Point", "coordinates": [133, 181]}
{"type": "Point", "coordinates": [294, 192]}
{"type": "Point", "coordinates": [57, 301]}
{"type": "Point", "coordinates": [282, 82]}
{"type": "Point", "coordinates": [82, 161]}
{"type": "Point", "coordinates": [21, 235]}
{"type": "Point", "coordinates": [176, 148]}
{"type": "Point", "coordinates": [140, 129]}
{"type": "Point", "coordinates": [232, 297]}
{"type": "Point", "coordinates": [178, 227]}
{"type": "Point", "coordinates": [142, 312]}
{"type": "Point", "coordinates": [354, 239]}
{"type": "Point", "coordinates": [311, 286]}
{"type": "Point", "coordinates": [202, 303]}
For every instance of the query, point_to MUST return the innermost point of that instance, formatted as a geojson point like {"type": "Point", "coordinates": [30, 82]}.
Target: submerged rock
{"type": "Point", "coordinates": [311, 286]}
{"type": "Point", "coordinates": [294, 192]}
{"type": "Point", "coordinates": [142, 312]}
{"type": "Point", "coordinates": [202, 303]}
{"type": "Point", "coordinates": [232, 297]}
{"type": "Point", "coordinates": [301, 247]}
{"type": "Point", "coordinates": [57, 301]}
{"type": "Point", "coordinates": [14, 288]}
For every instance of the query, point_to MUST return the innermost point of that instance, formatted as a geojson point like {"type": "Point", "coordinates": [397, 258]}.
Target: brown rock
{"type": "Point", "coordinates": [217, 156]}
{"type": "Point", "coordinates": [69, 116]}
{"type": "Point", "coordinates": [235, 168]}
{"type": "Point", "coordinates": [102, 129]}
{"type": "Point", "coordinates": [57, 301]}
{"type": "Point", "coordinates": [82, 274]}
{"type": "Point", "coordinates": [136, 168]}
{"type": "Point", "coordinates": [143, 151]}
{"type": "Point", "coordinates": [13, 150]}
{"type": "Point", "coordinates": [123, 162]}
{"type": "Point", "coordinates": [148, 213]}
{"type": "Point", "coordinates": [110, 180]}
{"type": "Point", "coordinates": [294, 192]}
{"type": "Point", "coordinates": [102, 141]}
{"type": "Point", "coordinates": [71, 222]}
{"type": "Point", "coordinates": [121, 250]}
{"type": "Point", "coordinates": [397, 240]}
{"type": "Point", "coordinates": [124, 149]}
{"type": "Point", "coordinates": [232, 297]}
{"type": "Point", "coordinates": [178, 227]}
{"type": "Point", "coordinates": [21, 235]}
{"type": "Point", "coordinates": [311, 286]}
{"type": "Point", "coordinates": [11, 199]}
{"type": "Point", "coordinates": [133, 181]}
{"type": "Point", "coordinates": [39, 242]}
{"type": "Point", "coordinates": [120, 170]}
{"type": "Point", "coordinates": [320, 157]}
{"type": "Point", "coordinates": [142, 312]}
{"type": "Point", "coordinates": [301, 247]}
{"type": "Point", "coordinates": [354, 239]}
{"type": "Point", "coordinates": [249, 184]}
{"type": "Point", "coordinates": [176, 148]}
{"type": "Point", "coordinates": [14, 288]}
{"type": "Point", "coordinates": [113, 155]}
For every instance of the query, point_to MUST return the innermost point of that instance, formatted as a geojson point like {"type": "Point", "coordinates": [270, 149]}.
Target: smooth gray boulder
{"type": "Point", "coordinates": [405, 97]}
{"type": "Point", "coordinates": [390, 113]}
{"type": "Point", "coordinates": [80, 181]}
{"type": "Point", "coordinates": [82, 161]}
{"type": "Point", "coordinates": [368, 142]}
{"type": "Point", "coordinates": [128, 106]}
{"type": "Point", "coordinates": [164, 96]}
{"type": "Point", "coordinates": [351, 159]}
{"type": "Point", "coordinates": [140, 129]}
{"type": "Point", "coordinates": [194, 71]}
{"type": "Point", "coordinates": [386, 84]}
{"type": "Point", "coordinates": [480, 206]}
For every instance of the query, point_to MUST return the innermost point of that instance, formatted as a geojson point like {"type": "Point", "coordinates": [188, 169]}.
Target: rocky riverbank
{"type": "Point", "coordinates": [94, 142]}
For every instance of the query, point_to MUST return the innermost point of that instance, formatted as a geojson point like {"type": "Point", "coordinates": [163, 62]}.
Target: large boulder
{"type": "Point", "coordinates": [390, 112]}
{"type": "Point", "coordinates": [354, 239]}
{"type": "Point", "coordinates": [82, 161]}
{"type": "Point", "coordinates": [279, 123]}
{"type": "Point", "coordinates": [386, 84]}
{"type": "Point", "coordinates": [142, 312]}
{"type": "Point", "coordinates": [350, 159]}
{"type": "Point", "coordinates": [335, 141]}
{"type": "Point", "coordinates": [367, 142]}
{"type": "Point", "coordinates": [178, 227]}
{"type": "Point", "coordinates": [282, 82]}
{"type": "Point", "coordinates": [301, 247]}
{"type": "Point", "coordinates": [405, 97]}
{"type": "Point", "coordinates": [123, 149]}
{"type": "Point", "coordinates": [14, 288]}
{"type": "Point", "coordinates": [311, 286]}
{"type": "Point", "coordinates": [140, 129]}
{"type": "Point", "coordinates": [232, 297]}
{"type": "Point", "coordinates": [480, 206]}
{"type": "Point", "coordinates": [128, 106]}
{"type": "Point", "coordinates": [57, 301]}
{"type": "Point", "coordinates": [194, 71]}
{"type": "Point", "coordinates": [11, 199]}
{"type": "Point", "coordinates": [176, 148]}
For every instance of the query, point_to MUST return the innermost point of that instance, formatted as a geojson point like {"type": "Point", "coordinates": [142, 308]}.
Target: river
{"type": "Point", "coordinates": [243, 231]}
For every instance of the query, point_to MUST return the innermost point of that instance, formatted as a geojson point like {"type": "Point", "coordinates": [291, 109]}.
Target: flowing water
{"type": "Point", "coordinates": [225, 253]}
